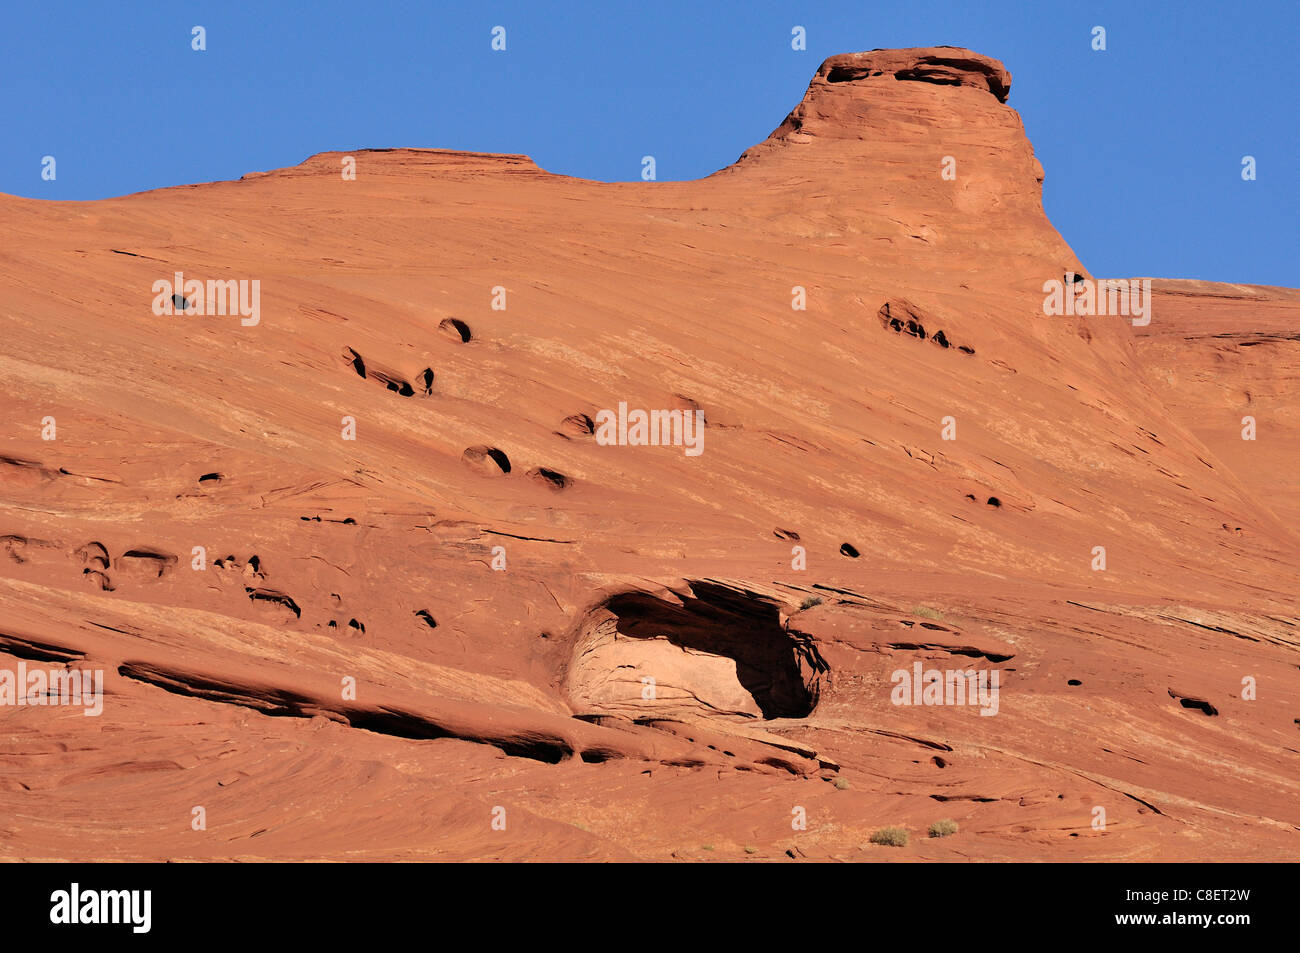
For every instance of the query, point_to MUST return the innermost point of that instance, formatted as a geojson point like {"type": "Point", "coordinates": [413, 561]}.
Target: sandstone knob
{"type": "Point", "coordinates": [945, 65]}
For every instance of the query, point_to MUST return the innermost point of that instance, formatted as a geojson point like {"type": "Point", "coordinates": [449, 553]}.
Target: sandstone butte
{"type": "Point", "coordinates": [519, 694]}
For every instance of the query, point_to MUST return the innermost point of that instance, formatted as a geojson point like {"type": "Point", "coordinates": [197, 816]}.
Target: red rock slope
{"type": "Point", "coordinates": [827, 536]}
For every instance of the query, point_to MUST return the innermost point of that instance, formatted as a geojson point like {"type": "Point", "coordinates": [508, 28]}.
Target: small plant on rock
{"type": "Point", "coordinates": [890, 837]}
{"type": "Point", "coordinates": [943, 828]}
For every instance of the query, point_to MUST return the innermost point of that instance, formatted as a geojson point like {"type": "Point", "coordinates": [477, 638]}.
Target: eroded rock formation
{"type": "Point", "coordinates": [353, 625]}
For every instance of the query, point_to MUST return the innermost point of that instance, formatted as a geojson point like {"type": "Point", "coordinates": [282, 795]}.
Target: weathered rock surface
{"type": "Point", "coordinates": [498, 585]}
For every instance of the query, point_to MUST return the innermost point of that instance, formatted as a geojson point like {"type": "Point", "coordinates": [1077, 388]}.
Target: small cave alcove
{"type": "Point", "coordinates": [723, 650]}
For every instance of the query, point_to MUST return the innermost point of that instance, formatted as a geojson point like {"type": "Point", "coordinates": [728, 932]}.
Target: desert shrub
{"type": "Point", "coordinates": [943, 828]}
{"type": "Point", "coordinates": [890, 837]}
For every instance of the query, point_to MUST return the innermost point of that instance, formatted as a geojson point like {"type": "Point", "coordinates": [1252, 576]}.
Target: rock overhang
{"type": "Point", "coordinates": [942, 65]}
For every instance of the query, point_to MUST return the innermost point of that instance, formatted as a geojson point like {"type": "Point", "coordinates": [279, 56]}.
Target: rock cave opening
{"type": "Point", "coordinates": [722, 651]}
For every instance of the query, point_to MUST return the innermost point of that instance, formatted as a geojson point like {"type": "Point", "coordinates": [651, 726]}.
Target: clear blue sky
{"type": "Point", "coordinates": [1142, 143]}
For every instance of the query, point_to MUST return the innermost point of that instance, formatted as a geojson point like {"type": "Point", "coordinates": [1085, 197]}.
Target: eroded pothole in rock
{"type": "Point", "coordinates": [721, 651]}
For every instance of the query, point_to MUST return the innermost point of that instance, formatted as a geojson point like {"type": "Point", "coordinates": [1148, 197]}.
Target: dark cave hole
{"type": "Point", "coordinates": [457, 327]}
{"type": "Point", "coordinates": [780, 668]}
{"type": "Point", "coordinates": [1203, 707]}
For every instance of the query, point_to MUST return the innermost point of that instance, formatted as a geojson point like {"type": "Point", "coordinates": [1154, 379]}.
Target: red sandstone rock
{"type": "Point", "coordinates": [498, 584]}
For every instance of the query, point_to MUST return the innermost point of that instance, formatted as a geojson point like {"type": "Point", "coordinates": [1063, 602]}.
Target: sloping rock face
{"type": "Point", "coordinates": [389, 567]}
{"type": "Point", "coordinates": [1223, 359]}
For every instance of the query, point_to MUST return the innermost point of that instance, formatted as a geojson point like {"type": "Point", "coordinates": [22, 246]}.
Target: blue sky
{"type": "Point", "coordinates": [1142, 143]}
